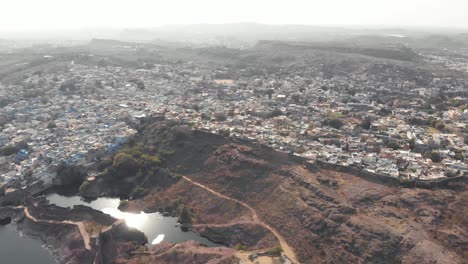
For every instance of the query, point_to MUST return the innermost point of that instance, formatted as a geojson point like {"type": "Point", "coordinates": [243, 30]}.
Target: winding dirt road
{"type": "Point", "coordinates": [80, 225]}
{"type": "Point", "coordinates": [255, 218]}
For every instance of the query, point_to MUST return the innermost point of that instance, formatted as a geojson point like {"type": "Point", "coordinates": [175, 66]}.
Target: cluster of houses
{"type": "Point", "coordinates": [83, 113]}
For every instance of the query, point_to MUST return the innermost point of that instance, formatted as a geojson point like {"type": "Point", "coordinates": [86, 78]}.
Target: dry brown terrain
{"type": "Point", "coordinates": [252, 199]}
{"type": "Point", "coordinates": [324, 216]}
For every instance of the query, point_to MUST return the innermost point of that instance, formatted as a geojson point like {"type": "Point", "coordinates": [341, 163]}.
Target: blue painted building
{"type": "Point", "coordinates": [22, 155]}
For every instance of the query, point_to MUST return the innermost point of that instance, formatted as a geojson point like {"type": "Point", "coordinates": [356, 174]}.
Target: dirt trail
{"type": "Point", "coordinates": [255, 218]}
{"type": "Point", "coordinates": [80, 225]}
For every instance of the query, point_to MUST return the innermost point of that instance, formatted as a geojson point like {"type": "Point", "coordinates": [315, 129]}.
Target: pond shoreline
{"type": "Point", "coordinates": [151, 224]}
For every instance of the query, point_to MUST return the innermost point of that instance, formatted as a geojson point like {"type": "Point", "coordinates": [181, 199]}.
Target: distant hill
{"type": "Point", "coordinates": [110, 42]}
{"type": "Point", "coordinates": [395, 51]}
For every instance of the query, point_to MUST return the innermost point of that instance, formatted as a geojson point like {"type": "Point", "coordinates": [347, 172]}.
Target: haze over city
{"type": "Point", "coordinates": [31, 15]}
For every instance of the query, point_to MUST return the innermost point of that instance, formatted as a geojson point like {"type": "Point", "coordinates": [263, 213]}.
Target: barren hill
{"type": "Point", "coordinates": [325, 216]}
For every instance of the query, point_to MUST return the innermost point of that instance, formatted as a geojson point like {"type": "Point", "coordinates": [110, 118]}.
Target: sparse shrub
{"type": "Point", "coordinates": [276, 251]}
{"type": "Point", "coordinates": [139, 192]}
{"type": "Point", "coordinates": [406, 182]}
{"type": "Point", "coordinates": [151, 158]}
{"type": "Point", "coordinates": [176, 176]}
{"type": "Point", "coordinates": [166, 152]}
{"type": "Point", "coordinates": [240, 247]}
{"type": "Point", "coordinates": [141, 249]}
{"type": "Point", "coordinates": [123, 204]}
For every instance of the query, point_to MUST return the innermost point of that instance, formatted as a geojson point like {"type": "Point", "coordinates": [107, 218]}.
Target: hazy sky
{"type": "Point", "coordinates": [66, 14]}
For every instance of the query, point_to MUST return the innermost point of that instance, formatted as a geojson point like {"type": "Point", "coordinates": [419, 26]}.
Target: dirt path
{"type": "Point", "coordinates": [80, 225]}
{"type": "Point", "coordinates": [255, 218]}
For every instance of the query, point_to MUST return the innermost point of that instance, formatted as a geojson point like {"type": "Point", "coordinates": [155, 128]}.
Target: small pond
{"type": "Point", "coordinates": [156, 227]}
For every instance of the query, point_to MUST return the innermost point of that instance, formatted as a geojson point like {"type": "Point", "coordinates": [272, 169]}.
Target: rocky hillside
{"type": "Point", "coordinates": [325, 216]}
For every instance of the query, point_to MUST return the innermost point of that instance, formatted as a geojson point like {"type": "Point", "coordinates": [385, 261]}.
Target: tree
{"type": "Point", "coordinates": [125, 162]}
{"type": "Point", "coordinates": [434, 156]}
{"type": "Point", "coordinates": [334, 122]}
{"type": "Point", "coordinates": [184, 217]}
{"type": "Point", "coordinates": [84, 186]}
{"type": "Point", "coordinates": [196, 107]}
{"type": "Point", "coordinates": [412, 143]}
{"type": "Point", "coordinates": [9, 150]}
{"type": "Point", "coordinates": [366, 123]}
{"type": "Point", "coordinates": [98, 84]}
{"type": "Point", "coordinates": [141, 85]}
{"type": "Point", "coordinates": [393, 145]}
{"type": "Point", "coordinates": [67, 86]}
{"type": "Point", "coordinates": [269, 92]}
{"type": "Point", "coordinates": [220, 116]}
{"type": "Point", "coordinates": [275, 112]}
{"type": "Point", "coordinates": [296, 97]}
{"type": "Point", "coordinates": [51, 125]}
{"type": "Point", "coordinates": [70, 175]}
{"type": "Point", "coordinates": [139, 192]}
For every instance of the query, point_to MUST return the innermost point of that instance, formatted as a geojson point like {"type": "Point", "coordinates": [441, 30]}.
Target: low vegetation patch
{"type": "Point", "coordinates": [276, 251]}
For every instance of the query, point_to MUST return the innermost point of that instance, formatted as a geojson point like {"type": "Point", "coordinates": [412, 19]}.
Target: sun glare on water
{"type": "Point", "coordinates": [132, 220]}
{"type": "Point", "coordinates": [158, 239]}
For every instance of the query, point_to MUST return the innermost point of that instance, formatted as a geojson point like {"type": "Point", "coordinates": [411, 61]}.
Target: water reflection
{"type": "Point", "coordinates": [17, 249]}
{"type": "Point", "coordinates": [133, 220]}
{"type": "Point", "coordinates": [156, 227]}
{"type": "Point", "coordinates": [158, 239]}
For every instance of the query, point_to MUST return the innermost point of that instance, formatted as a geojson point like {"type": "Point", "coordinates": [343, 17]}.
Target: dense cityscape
{"type": "Point", "coordinates": [376, 122]}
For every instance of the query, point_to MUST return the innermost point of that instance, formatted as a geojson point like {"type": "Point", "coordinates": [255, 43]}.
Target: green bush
{"type": "Point", "coordinates": [141, 249]}
{"type": "Point", "coordinates": [124, 161]}
{"type": "Point", "coordinates": [406, 182]}
{"type": "Point", "coordinates": [135, 151]}
{"type": "Point", "coordinates": [139, 192]}
{"type": "Point", "coordinates": [151, 158]}
{"type": "Point", "coordinates": [123, 204]}
{"type": "Point", "coordinates": [84, 186]}
{"type": "Point", "coordinates": [240, 247]}
{"type": "Point", "coordinates": [451, 174]}
{"type": "Point", "coordinates": [276, 251]}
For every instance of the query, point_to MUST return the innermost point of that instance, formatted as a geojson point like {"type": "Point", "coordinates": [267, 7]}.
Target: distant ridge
{"type": "Point", "coordinates": [388, 51]}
